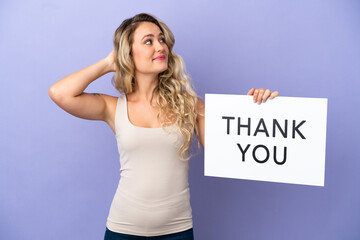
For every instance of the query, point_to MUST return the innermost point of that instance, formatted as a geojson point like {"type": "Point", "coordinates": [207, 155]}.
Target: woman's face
{"type": "Point", "coordinates": [149, 50]}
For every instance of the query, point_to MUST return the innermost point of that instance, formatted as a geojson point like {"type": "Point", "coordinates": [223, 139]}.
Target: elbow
{"type": "Point", "coordinates": [52, 93]}
{"type": "Point", "coordinates": [55, 95]}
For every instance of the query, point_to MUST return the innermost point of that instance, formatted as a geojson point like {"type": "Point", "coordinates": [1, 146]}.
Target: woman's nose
{"type": "Point", "coordinates": [159, 47]}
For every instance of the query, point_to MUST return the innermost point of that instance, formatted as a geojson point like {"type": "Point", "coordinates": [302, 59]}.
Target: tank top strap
{"type": "Point", "coordinates": [120, 113]}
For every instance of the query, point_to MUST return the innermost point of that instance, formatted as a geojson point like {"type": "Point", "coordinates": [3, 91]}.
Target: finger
{"type": "Point", "coordinates": [251, 91]}
{"type": "Point", "coordinates": [261, 94]}
{"type": "Point", "coordinates": [266, 95]}
{"type": "Point", "coordinates": [274, 94]}
{"type": "Point", "coordinates": [256, 93]}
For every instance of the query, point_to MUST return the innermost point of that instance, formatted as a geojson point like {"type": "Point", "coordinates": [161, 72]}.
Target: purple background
{"type": "Point", "coordinates": [58, 173]}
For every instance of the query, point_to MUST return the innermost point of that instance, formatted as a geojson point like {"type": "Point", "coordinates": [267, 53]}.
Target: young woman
{"type": "Point", "coordinates": [154, 120]}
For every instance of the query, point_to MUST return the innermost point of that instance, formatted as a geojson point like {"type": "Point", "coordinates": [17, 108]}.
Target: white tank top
{"type": "Point", "coordinates": [153, 196]}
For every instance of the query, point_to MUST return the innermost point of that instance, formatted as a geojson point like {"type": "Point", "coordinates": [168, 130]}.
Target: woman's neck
{"type": "Point", "coordinates": [144, 86]}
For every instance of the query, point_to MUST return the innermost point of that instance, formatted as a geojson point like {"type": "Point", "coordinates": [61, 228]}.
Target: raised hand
{"type": "Point", "coordinates": [111, 61]}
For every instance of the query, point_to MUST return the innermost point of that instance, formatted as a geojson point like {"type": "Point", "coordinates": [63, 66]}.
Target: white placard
{"type": "Point", "coordinates": [281, 140]}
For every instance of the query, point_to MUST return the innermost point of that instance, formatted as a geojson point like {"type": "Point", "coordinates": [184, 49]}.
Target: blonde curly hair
{"type": "Point", "coordinates": [176, 98]}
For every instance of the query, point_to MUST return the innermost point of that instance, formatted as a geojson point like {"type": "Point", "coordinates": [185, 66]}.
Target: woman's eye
{"type": "Point", "coordinates": [148, 42]}
{"type": "Point", "coordinates": [162, 40]}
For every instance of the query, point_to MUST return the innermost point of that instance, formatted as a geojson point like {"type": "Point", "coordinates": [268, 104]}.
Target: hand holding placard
{"type": "Point", "coordinates": [261, 95]}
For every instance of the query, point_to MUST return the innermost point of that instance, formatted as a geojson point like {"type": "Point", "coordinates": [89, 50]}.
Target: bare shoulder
{"type": "Point", "coordinates": [200, 106]}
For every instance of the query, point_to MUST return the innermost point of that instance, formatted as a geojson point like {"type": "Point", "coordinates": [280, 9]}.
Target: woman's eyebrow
{"type": "Point", "coordinates": [152, 35]}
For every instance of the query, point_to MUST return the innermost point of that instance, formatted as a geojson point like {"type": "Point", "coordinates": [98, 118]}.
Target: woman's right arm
{"type": "Point", "coordinates": [68, 93]}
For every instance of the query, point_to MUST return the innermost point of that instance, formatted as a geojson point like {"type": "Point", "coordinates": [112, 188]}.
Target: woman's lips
{"type": "Point", "coordinates": [159, 58]}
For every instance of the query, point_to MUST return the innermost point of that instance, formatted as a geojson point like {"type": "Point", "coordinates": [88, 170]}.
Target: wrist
{"type": "Point", "coordinates": [108, 67]}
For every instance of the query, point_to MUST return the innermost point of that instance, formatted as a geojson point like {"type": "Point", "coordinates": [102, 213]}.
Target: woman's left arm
{"type": "Point", "coordinates": [200, 121]}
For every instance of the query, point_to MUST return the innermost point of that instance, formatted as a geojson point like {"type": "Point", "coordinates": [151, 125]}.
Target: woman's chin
{"type": "Point", "coordinates": [160, 70]}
